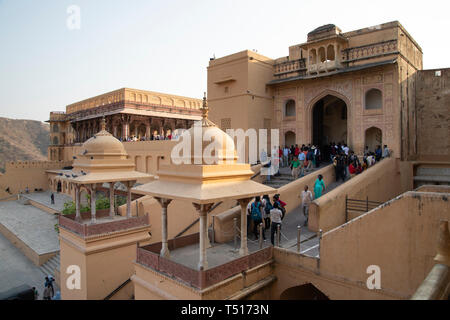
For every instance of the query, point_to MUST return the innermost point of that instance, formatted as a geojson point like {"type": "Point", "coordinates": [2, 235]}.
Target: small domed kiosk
{"type": "Point", "coordinates": [103, 160]}
{"type": "Point", "coordinates": [204, 170]}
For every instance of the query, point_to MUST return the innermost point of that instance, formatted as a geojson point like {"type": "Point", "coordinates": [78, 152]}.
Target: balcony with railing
{"type": "Point", "coordinates": [180, 267]}
{"type": "Point", "coordinates": [287, 69]}
{"type": "Point", "coordinates": [57, 116]}
{"type": "Point", "coordinates": [370, 51]}
{"type": "Point", "coordinates": [104, 225]}
{"type": "Point", "coordinates": [325, 66]}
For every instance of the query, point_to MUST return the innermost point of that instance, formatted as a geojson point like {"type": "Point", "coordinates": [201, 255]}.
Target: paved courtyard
{"type": "Point", "coordinates": [44, 199]}
{"type": "Point", "coordinates": [31, 225]}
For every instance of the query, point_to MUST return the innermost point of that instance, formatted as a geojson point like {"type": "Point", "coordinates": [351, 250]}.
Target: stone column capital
{"type": "Point", "coordinates": [163, 202]}
{"type": "Point", "coordinates": [203, 209]}
{"type": "Point", "coordinates": [244, 201]}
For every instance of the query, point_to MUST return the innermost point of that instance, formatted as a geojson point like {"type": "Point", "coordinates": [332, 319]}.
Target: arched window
{"type": "Point", "coordinates": [55, 141]}
{"type": "Point", "coordinates": [313, 56]}
{"type": "Point", "coordinates": [55, 128]}
{"type": "Point", "coordinates": [373, 99]}
{"type": "Point", "coordinates": [289, 138]}
{"type": "Point", "coordinates": [289, 108]}
{"type": "Point", "coordinates": [330, 53]}
{"type": "Point", "coordinates": [322, 55]}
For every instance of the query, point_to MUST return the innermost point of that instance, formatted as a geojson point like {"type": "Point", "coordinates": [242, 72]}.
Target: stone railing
{"type": "Point", "coordinates": [200, 279]}
{"type": "Point", "coordinates": [57, 116]}
{"type": "Point", "coordinates": [369, 51]}
{"type": "Point", "coordinates": [102, 109]}
{"type": "Point", "coordinates": [96, 110]}
{"type": "Point", "coordinates": [289, 68]}
{"type": "Point", "coordinates": [162, 108]}
{"type": "Point", "coordinates": [68, 222]}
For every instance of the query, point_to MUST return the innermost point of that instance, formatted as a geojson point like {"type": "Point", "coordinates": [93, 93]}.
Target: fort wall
{"type": "Point", "coordinates": [22, 174]}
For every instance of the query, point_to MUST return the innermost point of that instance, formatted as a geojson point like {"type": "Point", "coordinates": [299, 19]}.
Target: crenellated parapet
{"type": "Point", "coordinates": [36, 164]}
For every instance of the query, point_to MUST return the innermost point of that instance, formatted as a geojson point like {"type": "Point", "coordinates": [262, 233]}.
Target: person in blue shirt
{"type": "Point", "coordinates": [378, 153]}
{"type": "Point", "coordinates": [302, 158]}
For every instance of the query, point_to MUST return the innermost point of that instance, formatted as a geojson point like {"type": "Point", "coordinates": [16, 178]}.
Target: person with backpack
{"type": "Point", "coordinates": [267, 205]}
{"type": "Point", "coordinates": [256, 211]}
{"type": "Point", "coordinates": [48, 294]}
{"type": "Point", "coordinates": [281, 204]}
{"type": "Point", "coordinates": [275, 218]}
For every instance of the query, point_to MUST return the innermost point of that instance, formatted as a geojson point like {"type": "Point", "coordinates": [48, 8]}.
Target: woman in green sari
{"type": "Point", "coordinates": [319, 187]}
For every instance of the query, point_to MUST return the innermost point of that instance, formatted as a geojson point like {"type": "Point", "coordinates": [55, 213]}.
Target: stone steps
{"type": "Point", "coordinates": [51, 265]}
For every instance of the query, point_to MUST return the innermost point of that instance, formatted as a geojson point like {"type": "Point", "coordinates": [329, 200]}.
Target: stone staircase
{"type": "Point", "coordinates": [51, 265]}
{"type": "Point", "coordinates": [284, 177]}
{"type": "Point", "coordinates": [279, 181]}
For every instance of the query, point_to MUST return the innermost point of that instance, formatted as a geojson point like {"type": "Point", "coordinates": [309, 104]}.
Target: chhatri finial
{"type": "Point", "coordinates": [103, 124]}
{"type": "Point", "coordinates": [204, 108]}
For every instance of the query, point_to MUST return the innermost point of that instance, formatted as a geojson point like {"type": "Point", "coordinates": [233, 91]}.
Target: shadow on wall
{"type": "Point", "coordinates": [381, 183]}
{"type": "Point", "coordinates": [400, 237]}
{"type": "Point", "coordinates": [303, 292]}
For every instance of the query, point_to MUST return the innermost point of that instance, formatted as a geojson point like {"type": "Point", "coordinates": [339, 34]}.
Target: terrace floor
{"type": "Point", "coordinates": [218, 254]}
{"type": "Point", "coordinates": [43, 198]}
{"type": "Point", "coordinates": [31, 225]}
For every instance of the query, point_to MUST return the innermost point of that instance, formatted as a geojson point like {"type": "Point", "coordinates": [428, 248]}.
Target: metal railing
{"type": "Point", "coordinates": [109, 296]}
{"type": "Point", "coordinates": [359, 205]}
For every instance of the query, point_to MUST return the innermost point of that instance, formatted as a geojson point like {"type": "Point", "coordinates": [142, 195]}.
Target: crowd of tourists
{"type": "Point", "coordinates": [151, 138]}
{"type": "Point", "coordinates": [49, 290]}
{"type": "Point", "coordinates": [347, 164]}
{"type": "Point", "coordinates": [269, 214]}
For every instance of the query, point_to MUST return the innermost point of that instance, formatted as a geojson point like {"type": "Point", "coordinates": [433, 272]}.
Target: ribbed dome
{"type": "Point", "coordinates": [103, 143]}
{"type": "Point", "coordinates": [219, 147]}
{"type": "Point", "coordinates": [217, 141]}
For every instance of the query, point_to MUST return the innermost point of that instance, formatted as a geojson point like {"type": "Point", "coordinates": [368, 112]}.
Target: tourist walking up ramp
{"type": "Point", "coordinates": [379, 183]}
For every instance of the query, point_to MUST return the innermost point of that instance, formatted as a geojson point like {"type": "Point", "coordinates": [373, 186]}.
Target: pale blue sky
{"type": "Point", "coordinates": [166, 45]}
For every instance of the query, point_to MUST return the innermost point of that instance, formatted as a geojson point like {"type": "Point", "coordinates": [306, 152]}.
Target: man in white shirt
{"type": "Point", "coordinates": [275, 218]}
{"type": "Point", "coordinates": [386, 152]}
{"type": "Point", "coordinates": [346, 149]}
{"type": "Point", "coordinates": [286, 152]}
{"type": "Point", "coordinates": [307, 197]}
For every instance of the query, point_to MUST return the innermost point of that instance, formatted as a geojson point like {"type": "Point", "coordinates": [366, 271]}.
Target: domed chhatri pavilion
{"type": "Point", "coordinates": [104, 160]}
{"type": "Point", "coordinates": [204, 177]}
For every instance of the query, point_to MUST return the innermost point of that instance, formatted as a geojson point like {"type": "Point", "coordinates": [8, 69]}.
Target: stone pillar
{"type": "Point", "coordinates": [307, 60]}
{"type": "Point", "coordinates": [147, 130]}
{"type": "Point", "coordinates": [115, 130]}
{"type": "Point", "coordinates": [93, 199]}
{"type": "Point", "coordinates": [77, 203]}
{"type": "Point", "coordinates": [203, 210]}
{"type": "Point", "coordinates": [111, 200]}
{"type": "Point", "coordinates": [129, 185]}
{"type": "Point", "coordinates": [125, 129]}
{"type": "Point", "coordinates": [243, 203]}
{"type": "Point", "coordinates": [335, 52]}
{"type": "Point", "coordinates": [164, 235]}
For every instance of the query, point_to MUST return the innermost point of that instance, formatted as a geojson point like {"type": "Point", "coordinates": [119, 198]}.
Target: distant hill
{"type": "Point", "coordinates": [22, 140]}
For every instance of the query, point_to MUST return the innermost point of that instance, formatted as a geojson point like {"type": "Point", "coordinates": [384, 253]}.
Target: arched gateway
{"type": "Point", "coordinates": [329, 121]}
